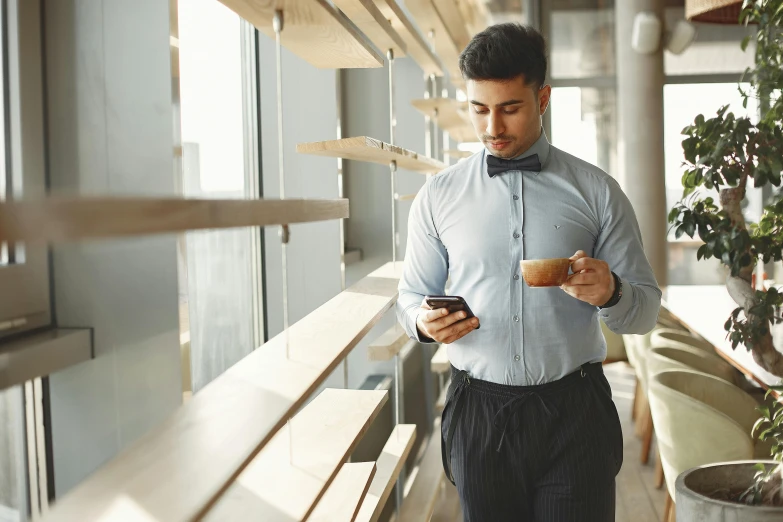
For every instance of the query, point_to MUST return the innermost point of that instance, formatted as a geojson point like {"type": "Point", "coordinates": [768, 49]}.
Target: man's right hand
{"type": "Point", "coordinates": [444, 327]}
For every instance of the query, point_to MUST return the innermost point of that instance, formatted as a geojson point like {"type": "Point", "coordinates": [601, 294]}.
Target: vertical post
{"type": "Point", "coordinates": [277, 24]}
{"type": "Point", "coordinates": [398, 414]}
{"type": "Point", "coordinates": [393, 164]}
{"type": "Point", "coordinates": [640, 80]}
{"type": "Point", "coordinates": [341, 194]}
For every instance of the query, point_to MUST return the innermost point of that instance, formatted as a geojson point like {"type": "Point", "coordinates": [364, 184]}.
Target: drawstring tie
{"type": "Point", "coordinates": [506, 418]}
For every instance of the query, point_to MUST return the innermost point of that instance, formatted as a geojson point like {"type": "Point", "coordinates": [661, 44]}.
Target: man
{"type": "Point", "coordinates": [529, 431]}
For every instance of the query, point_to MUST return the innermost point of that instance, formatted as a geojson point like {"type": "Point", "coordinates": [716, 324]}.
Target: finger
{"type": "Point", "coordinates": [579, 254]}
{"type": "Point", "coordinates": [461, 329]}
{"type": "Point", "coordinates": [448, 321]}
{"type": "Point", "coordinates": [588, 263]}
{"type": "Point", "coordinates": [433, 315]}
{"type": "Point", "coordinates": [584, 278]}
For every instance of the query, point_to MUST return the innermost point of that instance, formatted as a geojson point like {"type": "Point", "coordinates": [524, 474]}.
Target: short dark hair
{"type": "Point", "coordinates": [505, 51]}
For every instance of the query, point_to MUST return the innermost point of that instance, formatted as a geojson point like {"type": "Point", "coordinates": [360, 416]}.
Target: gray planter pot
{"type": "Point", "coordinates": [693, 486]}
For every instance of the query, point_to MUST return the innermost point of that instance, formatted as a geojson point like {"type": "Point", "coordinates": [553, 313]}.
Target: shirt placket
{"type": "Point", "coordinates": [517, 253]}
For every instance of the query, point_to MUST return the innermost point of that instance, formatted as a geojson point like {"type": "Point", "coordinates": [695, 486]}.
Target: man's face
{"type": "Point", "coordinates": [507, 114]}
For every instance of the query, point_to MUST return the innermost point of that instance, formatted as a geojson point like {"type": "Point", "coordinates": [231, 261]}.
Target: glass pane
{"type": "Point", "coordinates": [583, 124]}
{"type": "Point", "coordinates": [715, 50]}
{"type": "Point", "coordinates": [13, 488]}
{"type": "Point", "coordinates": [216, 297]}
{"type": "Point", "coordinates": [682, 103]}
{"type": "Point", "coordinates": [581, 43]}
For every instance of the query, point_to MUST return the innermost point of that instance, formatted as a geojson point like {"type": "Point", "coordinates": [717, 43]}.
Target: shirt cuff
{"type": "Point", "coordinates": [412, 315]}
{"type": "Point", "coordinates": [620, 310]}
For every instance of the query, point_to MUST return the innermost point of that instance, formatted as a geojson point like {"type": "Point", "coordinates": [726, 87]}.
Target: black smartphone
{"type": "Point", "coordinates": [453, 303]}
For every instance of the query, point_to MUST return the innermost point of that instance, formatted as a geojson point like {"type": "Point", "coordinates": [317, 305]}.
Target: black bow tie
{"type": "Point", "coordinates": [497, 166]}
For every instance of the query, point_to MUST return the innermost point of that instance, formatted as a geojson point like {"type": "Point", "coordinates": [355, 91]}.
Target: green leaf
{"type": "Point", "coordinates": [745, 42]}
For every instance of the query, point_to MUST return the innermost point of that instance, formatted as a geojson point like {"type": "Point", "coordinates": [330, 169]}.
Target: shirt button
{"type": "Point", "coordinates": [516, 277]}
{"type": "Point", "coordinates": [516, 236]}
{"type": "Point", "coordinates": [516, 318]}
{"type": "Point", "coordinates": [516, 357]}
{"type": "Point", "coordinates": [516, 197]}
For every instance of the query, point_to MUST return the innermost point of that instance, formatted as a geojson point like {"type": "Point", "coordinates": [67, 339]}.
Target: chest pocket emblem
{"type": "Point", "coordinates": [557, 227]}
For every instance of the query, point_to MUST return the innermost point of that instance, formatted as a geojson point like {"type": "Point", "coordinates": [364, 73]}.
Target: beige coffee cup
{"type": "Point", "coordinates": [545, 272]}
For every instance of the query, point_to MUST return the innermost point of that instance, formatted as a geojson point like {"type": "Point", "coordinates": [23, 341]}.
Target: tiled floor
{"type": "Point", "coordinates": [637, 498]}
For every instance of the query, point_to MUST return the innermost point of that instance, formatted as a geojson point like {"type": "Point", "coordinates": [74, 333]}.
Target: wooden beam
{"type": "Point", "coordinates": [69, 219]}
{"type": "Point", "coordinates": [393, 456]}
{"type": "Point", "coordinates": [288, 478]}
{"type": "Point", "coordinates": [363, 148]}
{"type": "Point", "coordinates": [451, 15]}
{"type": "Point", "coordinates": [405, 197]}
{"type": "Point", "coordinates": [428, 19]}
{"type": "Point", "coordinates": [43, 353]}
{"type": "Point", "coordinates": [178, 470]}
{"type": "Point", "coordinates": [418, 48]}
{"type": "Point", "coordinates": [366, 15]}
{"type": "Point", "coordinates": [342, 500]}
{"type": "Point", "coordinates": [312, 30]}
{"type": "Point", "coordinates": [452, 116]}
{"type": "Point", "coordinates": [420, 502]}
{"type": "Point", "coordinates": [389, 344]}
{"type": "Point", "coordinates": [440, 361]}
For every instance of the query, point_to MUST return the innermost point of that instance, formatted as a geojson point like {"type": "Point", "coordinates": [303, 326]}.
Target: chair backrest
{"type": "Point", "coordinates": [667, 336]}
{"type": "Point", "coordinates": [668, 320]}
{"type": "Point", "coordinates": [699, 419]}
{"type": "Point", "coordinates": [615, 347]}
{"type": "Point", "coordinates": [681, 357]}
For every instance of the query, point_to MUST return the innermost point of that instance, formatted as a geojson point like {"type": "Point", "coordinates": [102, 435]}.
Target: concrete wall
{"type": "Point", "coordinates": [110, 132]}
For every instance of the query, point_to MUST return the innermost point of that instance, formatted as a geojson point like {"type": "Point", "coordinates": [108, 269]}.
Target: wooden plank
{"type": "Point", "coordinates": [704, 309]}
{"type": "Point", "coordinates": [456, 153]}
{"type": "Point", "coordinates": [363, 148]}
{"type": "Point", "coordinates": [451, 15]}
{"type": "Point", "coordinates": [366, 15]}
{"type": "Point", "coordinates": [440, 361]}
{"type": "Point", "coordinates": [418, 48]}
{"type": "Point", "coordinates": [43, 353]}
{"type": "Point", "coordinates": [313, 30]}
{"type": "Point", "coordinates": [392, 458]}
{"type": "Point", "coordinates": [68, 219]}
{"type": "Point", "coordinates": [420, 502]}
{"type": "Point", "coordinates": [202, 448]}
{"type": "Point", "coordinates": [287, 479]}
{"type": "Point", "coordinates": [405, 197]}
{"type": "Point", "coordinates": [452, 116]}
{"type": "Point", "coordinates": [428, 19]}
{"type": "Point", "coordinates": [389, 344]}
{"type": "Point", "coordinates": [342, 500]}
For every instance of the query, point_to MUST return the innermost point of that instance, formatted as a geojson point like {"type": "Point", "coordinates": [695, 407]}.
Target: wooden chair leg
{"type": "Point", "coordinates": [636, 393]}
{"type": "Point", "coordinates": [668, 508]}
{"type": "Point", "coordinates": [659, 479]}
{"type": "Point", "coordinates": [647, 437]}
{"type": "Point", "coordinates": [641, 416]}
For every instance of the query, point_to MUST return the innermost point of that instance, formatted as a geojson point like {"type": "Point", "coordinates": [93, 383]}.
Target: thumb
{"type": "Point", "coordinates": [579, 254]}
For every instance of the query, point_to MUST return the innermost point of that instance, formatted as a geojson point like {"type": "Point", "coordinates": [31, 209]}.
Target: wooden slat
{"type": "Point", "coordinates": [179, 469]}
{"type": "Point", "coordinates": [456, 153]}
{"type": "Point", "coordinates": [418, 48]}
{"type": "Point", "coordinates": [405, 197]}
{"type": "Point", "coordinates": [342, 500]}
{"type": "Point", "coordinates": [366, 15]}
{"type": "Point", "coordinates": [67, 219]}
{"type": "Point", "coordinates": [363, 148]}
{"type": "Point", "coordinates": [395, 453]}
{"type": "Point", "coordinates": [389, 344]}
{"type": "Point", "coordinates": [451, 15]}
{"type": "Point", "coordinates": [287, 479]}
{"type": "Point", "coordinates": [314, 31]}
{"type": "Point", "coordinates": [440, 361]}
{"type": "Point", "coordinates": [428, 19]}
{"type": "Point", "coordinates": [452, 116]}
{"type": "Point", "coordinates": [420, 502]}
{"type": "Point", "coordinates": [43, 353]}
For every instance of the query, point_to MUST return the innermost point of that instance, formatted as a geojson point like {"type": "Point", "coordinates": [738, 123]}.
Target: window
{"type": "Point", "coordinates": [220, 271]}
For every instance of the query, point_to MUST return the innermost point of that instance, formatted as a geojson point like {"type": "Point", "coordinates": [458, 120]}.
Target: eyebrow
{"type": "Point", "coordinates": [503, 104]}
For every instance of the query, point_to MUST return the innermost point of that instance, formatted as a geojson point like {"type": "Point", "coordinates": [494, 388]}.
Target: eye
{"type": "Point", "coordinates": [481, 111]}
{"type": "Point", "coordinates": [511, 111]}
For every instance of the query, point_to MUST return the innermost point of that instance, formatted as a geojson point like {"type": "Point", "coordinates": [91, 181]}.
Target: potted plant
{"type": "Point", "coordinates": [725, 153]}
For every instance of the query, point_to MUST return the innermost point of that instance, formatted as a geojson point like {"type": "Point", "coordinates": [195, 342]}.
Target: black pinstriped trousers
{"type": "Point", "coordinates": [547, 453]}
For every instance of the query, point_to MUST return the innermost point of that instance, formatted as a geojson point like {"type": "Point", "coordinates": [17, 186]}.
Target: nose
{"type": "Point", "coordinates": [495, 124]}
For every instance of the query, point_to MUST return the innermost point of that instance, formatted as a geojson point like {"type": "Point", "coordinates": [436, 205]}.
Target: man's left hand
{"type": "Point", "coordinates": [591, 281]}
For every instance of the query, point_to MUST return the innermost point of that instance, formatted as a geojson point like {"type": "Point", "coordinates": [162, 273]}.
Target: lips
{"type": "Point", "coordinates": [498, 145]}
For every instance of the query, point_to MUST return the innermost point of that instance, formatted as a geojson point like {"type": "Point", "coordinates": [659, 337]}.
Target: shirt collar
{"type": "Point", "coordinates": [540, 147]}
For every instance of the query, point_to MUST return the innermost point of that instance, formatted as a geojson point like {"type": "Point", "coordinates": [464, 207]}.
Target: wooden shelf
{"type": "Point", "coordinates": [363, 148]}
{"type": "Point", "coordinates": [440, 361]}
{"type": "Point", "coordinates": [68, 219]}
{"type": "Point", "coordinates": [342, 500]}
{"type": "Point", "coordinates": [207, 442]}
{"type": "Point", "coordinates": [418, 48]}
{"type": "Point", "coordinates": [420, 502]}
{"type": "Point", "coordinates": [456, 153]}
{"type": "Point", "coordinates": [405, 197]}
{"type": "Point", "coordinates": [452, 17]}
{"type": "Point", "coordinates": [394, 454]}
{"type": "Point", "coordinates": [287, 479]}
{"type": "Point", "coordinates": [452, 116]}
{"type": "Point", "coordinates": [366, 15]}
{"type": "Point", "coordinates": [43, 353]}
{"type": "Point", "coordinates": [428, 19]}
{"type": "Point", "coordinates": [314, 31]}
{"type": "Point", "coordinates": [389, 344]}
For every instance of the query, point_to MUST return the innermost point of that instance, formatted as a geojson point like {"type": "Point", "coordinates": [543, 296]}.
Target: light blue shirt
{"type": "Point", "coordinates": [473, 230]}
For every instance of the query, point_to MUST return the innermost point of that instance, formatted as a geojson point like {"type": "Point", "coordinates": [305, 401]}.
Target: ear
{"type": "Point", "coordinates": [543, 98]}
